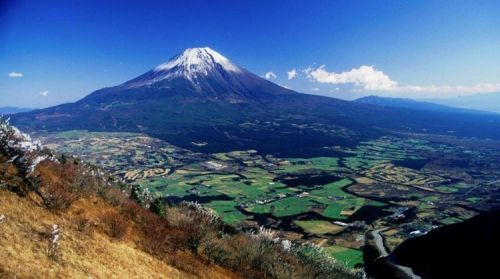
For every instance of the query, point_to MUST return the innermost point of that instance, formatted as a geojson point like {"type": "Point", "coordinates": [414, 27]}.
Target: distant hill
{"type": "Point", "coordinates": [485, 102]}
{"type": "Point", "coordinates": [412, 104]}
{"type": "Point", "coordinates": [462, 250]}
{"type": "Point", "coordinates": [11, 110]}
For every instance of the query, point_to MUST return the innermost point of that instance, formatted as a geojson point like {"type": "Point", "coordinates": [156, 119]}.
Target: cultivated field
{"type": "Point", "coordinates": [410, 185]}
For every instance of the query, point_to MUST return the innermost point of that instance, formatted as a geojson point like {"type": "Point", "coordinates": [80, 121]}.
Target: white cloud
{"type": "Point", "coordinates": [314, 89]}
{"type": "Point", "coordinates": [292, 74]}
{"type": "Point", "coordinates": [270, 75]}
{"type": "Point", "coordinates": [44, 93]}
{"type": "Point", "coordinates": [368, 78]}
{"type": "Point", "coordinates": [15, 75]}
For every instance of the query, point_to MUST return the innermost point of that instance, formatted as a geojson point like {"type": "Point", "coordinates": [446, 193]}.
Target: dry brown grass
{"type": "Point", "coordinates": [116, 225]}
{"type": "Point", "coordinates": [9, 173]}
{"type": "Point", "coordinates": [56, 181]}
{"type": "Point", "coordinates": [115, 196]}
{"type": "Point", "coordinates": [23, 246]}
{"type": "Point", "coordinates": [85, 225]}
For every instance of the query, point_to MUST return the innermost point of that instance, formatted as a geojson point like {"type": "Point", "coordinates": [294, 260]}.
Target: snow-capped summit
{"type": "Point", "coordinates": [191, 64]}
{"type": "Point", "coordinates": [199, 60]}
{"type": "Point", "coordinates": [206, 72]}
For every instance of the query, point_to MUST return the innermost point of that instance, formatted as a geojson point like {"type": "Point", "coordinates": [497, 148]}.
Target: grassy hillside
{"type": "Point", "coordinates": [83, 253]}
{"type": "Point", "coordinates": [62, 218]}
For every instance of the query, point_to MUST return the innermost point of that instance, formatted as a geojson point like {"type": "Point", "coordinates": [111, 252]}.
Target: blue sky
{"type": "Point", "coordinates": [59, 51]}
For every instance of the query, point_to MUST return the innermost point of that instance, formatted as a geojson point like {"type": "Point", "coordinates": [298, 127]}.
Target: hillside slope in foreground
{"type": "Point", "coordinates": [63, 218]}
{"type": "Point", "coordinates": [24, 246]}
{"type": "Point", "coordinates": [100, 232]}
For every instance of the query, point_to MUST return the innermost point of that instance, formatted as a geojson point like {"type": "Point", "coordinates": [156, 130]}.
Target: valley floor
{"type": "Point", "coordinates": [331, 200]}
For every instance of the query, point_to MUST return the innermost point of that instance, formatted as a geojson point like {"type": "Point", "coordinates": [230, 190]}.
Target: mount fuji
{"type": "Point", "coordinates": [203, 72]}
{"type": "Point", "coordinates": [202, 101]}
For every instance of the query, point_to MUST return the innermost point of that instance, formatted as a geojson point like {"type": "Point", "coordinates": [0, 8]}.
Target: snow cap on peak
{"type": "Point", "coordinates": [200, 60]}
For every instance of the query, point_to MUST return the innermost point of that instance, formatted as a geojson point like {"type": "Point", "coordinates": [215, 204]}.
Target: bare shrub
{"type": "Point", "coordinates": [186, 262]}
{"type": "Point", "coordinates": [9, 175]}
{"type": "Point", "coordinates": [92, 180]}
{"type": "Point", "coordinates": [156, 240]}
{"type": "Point", "coordinates": [147, 218]}
{"type": "Point", "coordinates": [131, 209]}
{"type": "Point", "coordinates": [57, 184]}
{"type": "Point", "coordinates": [160, 239]}
{"type": "Point", "coordinates": [162, 236]}
{"type": "Point", "coordinates": [220, 251]}
{"type": "Point", "coordinates": [57, 197]}
{"type": "Point", "coordinates": [197, 223]}
{"type": "Point", "coordinates": [272, 257]}
{"type": "Point", "coordinates": [244, 253]}
{"type": "Point", "coordinates": [85, 225]}
{"type": "Point", "coordinates": [116, 224]}
{"type": "Point", "coordinates": [115, 196]}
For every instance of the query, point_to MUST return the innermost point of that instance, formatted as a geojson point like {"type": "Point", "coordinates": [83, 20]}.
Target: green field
{"type": "Point", "coordinates": [446, 189]}
{"type": "Point", "coordinates": [317, 163]}
{"type": "Point", "coordinates": [336, 200]}
{"type": "Point", "coordinates": [474, 199]}
{"type": "Point", "coordinates": [284, 207]}
{"type": "Point", "coordinates": [228, 211]}
{"type": "Point", "coordinates": [319, 227]}
{"type": "Point", "coordinates": [240, 183]}
{"type": "Point", "coordinates": [347, 256]}
{"type": "Point", "coordinates": [450, 220]}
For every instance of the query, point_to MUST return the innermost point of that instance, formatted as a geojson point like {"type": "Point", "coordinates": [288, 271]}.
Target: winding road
{"type": "Point", "coordinates": [379, 244]}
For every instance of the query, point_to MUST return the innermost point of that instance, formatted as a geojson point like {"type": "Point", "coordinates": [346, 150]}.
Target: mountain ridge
{"type": "Point", "coordinates": [11, 110]}
{"type": "Point", "coordinates": [414, 104]}
{"type": "Point", "coordinates": [483, 101]}
{"type": "Point", "coordinates": [235, 109]}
